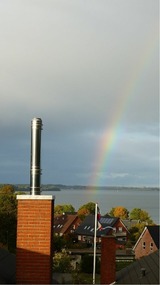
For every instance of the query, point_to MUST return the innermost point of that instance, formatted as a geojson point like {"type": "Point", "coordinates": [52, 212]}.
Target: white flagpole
{"type": "Point", "coordinates": [95, 237]}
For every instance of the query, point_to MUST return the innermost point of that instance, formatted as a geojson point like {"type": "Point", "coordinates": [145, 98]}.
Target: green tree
{"type": "Point", "coordinates": [141, 215]}
{"type": "Point", "coordinates": [111, 213]}
{"type": "Point", "coordinates": [8, 216]}
{"type": "Point", "coordinates": [7, 189]}
{"type": "Point", "coordinates": [82, 213]}
{"type": "Point", "coordinates": [89, 206]}
{"type": "Point", "coordinates": [135, 232]}
{"type": "Point", "coordinates": [86, 209]}
{"type": "Point", "coordinates": [60, 209]}
{"type": "Point", "coordinates": [59, 243]}
{"type": "Point", "coordinates": [62, 262]}
{"type": "Point", "coordinates": [143, 219]}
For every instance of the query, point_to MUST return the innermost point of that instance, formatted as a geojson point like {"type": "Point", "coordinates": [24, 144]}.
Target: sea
{"type": "Point", "coordinates": [144, 198]}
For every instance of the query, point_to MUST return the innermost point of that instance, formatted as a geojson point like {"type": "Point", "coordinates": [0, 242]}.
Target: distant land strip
{"type": "Point", "coordinates": [59, 187]}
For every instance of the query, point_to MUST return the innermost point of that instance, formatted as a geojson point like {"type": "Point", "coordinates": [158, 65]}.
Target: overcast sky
{"type": "Point", "coordinates": [89, 70]}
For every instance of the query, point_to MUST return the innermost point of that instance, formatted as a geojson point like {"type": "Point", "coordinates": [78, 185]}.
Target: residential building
{"type": "Point", "coordinates": [109, 225]}
{"type": "Point", "coordinates": [148, 241]}
{"type": "Point", "coordinates": [66, 223]}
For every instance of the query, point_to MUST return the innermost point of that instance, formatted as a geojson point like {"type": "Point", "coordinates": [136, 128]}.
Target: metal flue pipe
{"type": "Point", "coordinates": [35, 168]}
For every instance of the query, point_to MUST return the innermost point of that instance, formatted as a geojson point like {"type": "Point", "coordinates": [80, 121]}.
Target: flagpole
{"type": "Point", "coordinates": [95, 238]}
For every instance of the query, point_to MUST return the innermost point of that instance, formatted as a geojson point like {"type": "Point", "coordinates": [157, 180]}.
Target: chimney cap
{"type": "Point", "coordinates": [37, 122]}
{"type": "Point", "coordinates": [143, 271]}
{"type": "Point", "coordinates": [35, 118]}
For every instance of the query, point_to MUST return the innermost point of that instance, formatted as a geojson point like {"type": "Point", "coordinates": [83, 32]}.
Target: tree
{"type": "Point", "coordinates": [82, 213]}
{"type": "Point", "coordinates": [59, 243]}
{"type": "Point", "coordinates": [8, 216]}
{"type": "Point", "coordinates": [60, 209]}
{"type": "Point", "coordinates": [86, 209]}
{"type": "Point", "coordinates": [7, 189]}
{"type": "Point", "coordinates": [62, 262]}
{"type": "Point", "coordinates": [135, 232]}
{"type": "Point", "coordinates": [119, 212]}
{"type": "Point", "coordinates": [111, 213]}
{"type": "Point", "coordinates": [143, 219]}
{"type": "Point", "coordinates": [141, 215]}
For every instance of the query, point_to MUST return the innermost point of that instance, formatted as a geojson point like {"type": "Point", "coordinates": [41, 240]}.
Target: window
{"type": "Point", "coordinates": [143, 245]}
{"type": "Point", "coordinates": [151, 245]}
{"type": "Point", "coordinates": [120, 229]}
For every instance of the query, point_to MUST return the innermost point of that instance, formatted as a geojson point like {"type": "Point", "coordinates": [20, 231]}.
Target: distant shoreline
{"type": "Point", "coordinates": [59, 187]}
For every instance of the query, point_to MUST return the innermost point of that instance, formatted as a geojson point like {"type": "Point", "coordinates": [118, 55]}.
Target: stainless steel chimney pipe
{"type": "Point", "coordinates": [35, 168]}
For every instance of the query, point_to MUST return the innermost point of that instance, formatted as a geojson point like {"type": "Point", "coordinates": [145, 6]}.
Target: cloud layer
{"type": "Point", "coordinates": [86, 68]}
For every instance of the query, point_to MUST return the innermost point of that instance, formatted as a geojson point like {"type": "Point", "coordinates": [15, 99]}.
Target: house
{"type": "Point", "coordinates": [110, 225]}
{"type": "Point", "coordinates": [143, 271]}
{"type": "Point", "coordinates": [148, 241]}
{"type": "Point", "coordinates": [66, 223]}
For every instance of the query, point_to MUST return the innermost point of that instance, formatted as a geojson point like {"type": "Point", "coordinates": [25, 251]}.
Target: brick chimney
{"type": "Point", "coordinates": [34, 239]}
{"type": "Point", "coordinates": [108, 260]}
{"type": "Point", "coordinates": [34, 223]}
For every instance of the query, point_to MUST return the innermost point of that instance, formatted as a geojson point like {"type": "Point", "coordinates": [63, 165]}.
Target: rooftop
{"type": "Point", "coordinates": [143, 271]}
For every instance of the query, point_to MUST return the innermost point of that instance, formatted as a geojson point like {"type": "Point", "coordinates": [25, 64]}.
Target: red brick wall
{"type": "Point", "coordinates": [34, 240]}
{"type": "Point", "coordinates": [108, 260]}
{"type": "Point", "coordinates": [143, 250]}
{"type": "Point", "coordinates": [120, 224]}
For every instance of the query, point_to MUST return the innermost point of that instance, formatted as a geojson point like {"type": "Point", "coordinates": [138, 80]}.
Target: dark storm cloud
{"type": "Point", "coordinates": [70, 62]}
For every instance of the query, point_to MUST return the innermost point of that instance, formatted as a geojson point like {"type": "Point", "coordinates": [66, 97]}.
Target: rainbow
{"type": "Point", "coordinates": [110, 137]}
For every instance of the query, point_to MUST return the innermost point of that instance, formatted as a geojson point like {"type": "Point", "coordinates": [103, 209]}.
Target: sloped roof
{"type": "Point", "coordinates": [7, 267]}
{"type": "Point", "coordinates": [63, 222]}
{"type": "Point", "coordinates": [143, 271]}
{"type": "Point", "coordinates": [86, 228]}
{"type": "Point", "coordinates": [154, 232]}
{"type": "Point", "coordinates": [130, 223]}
